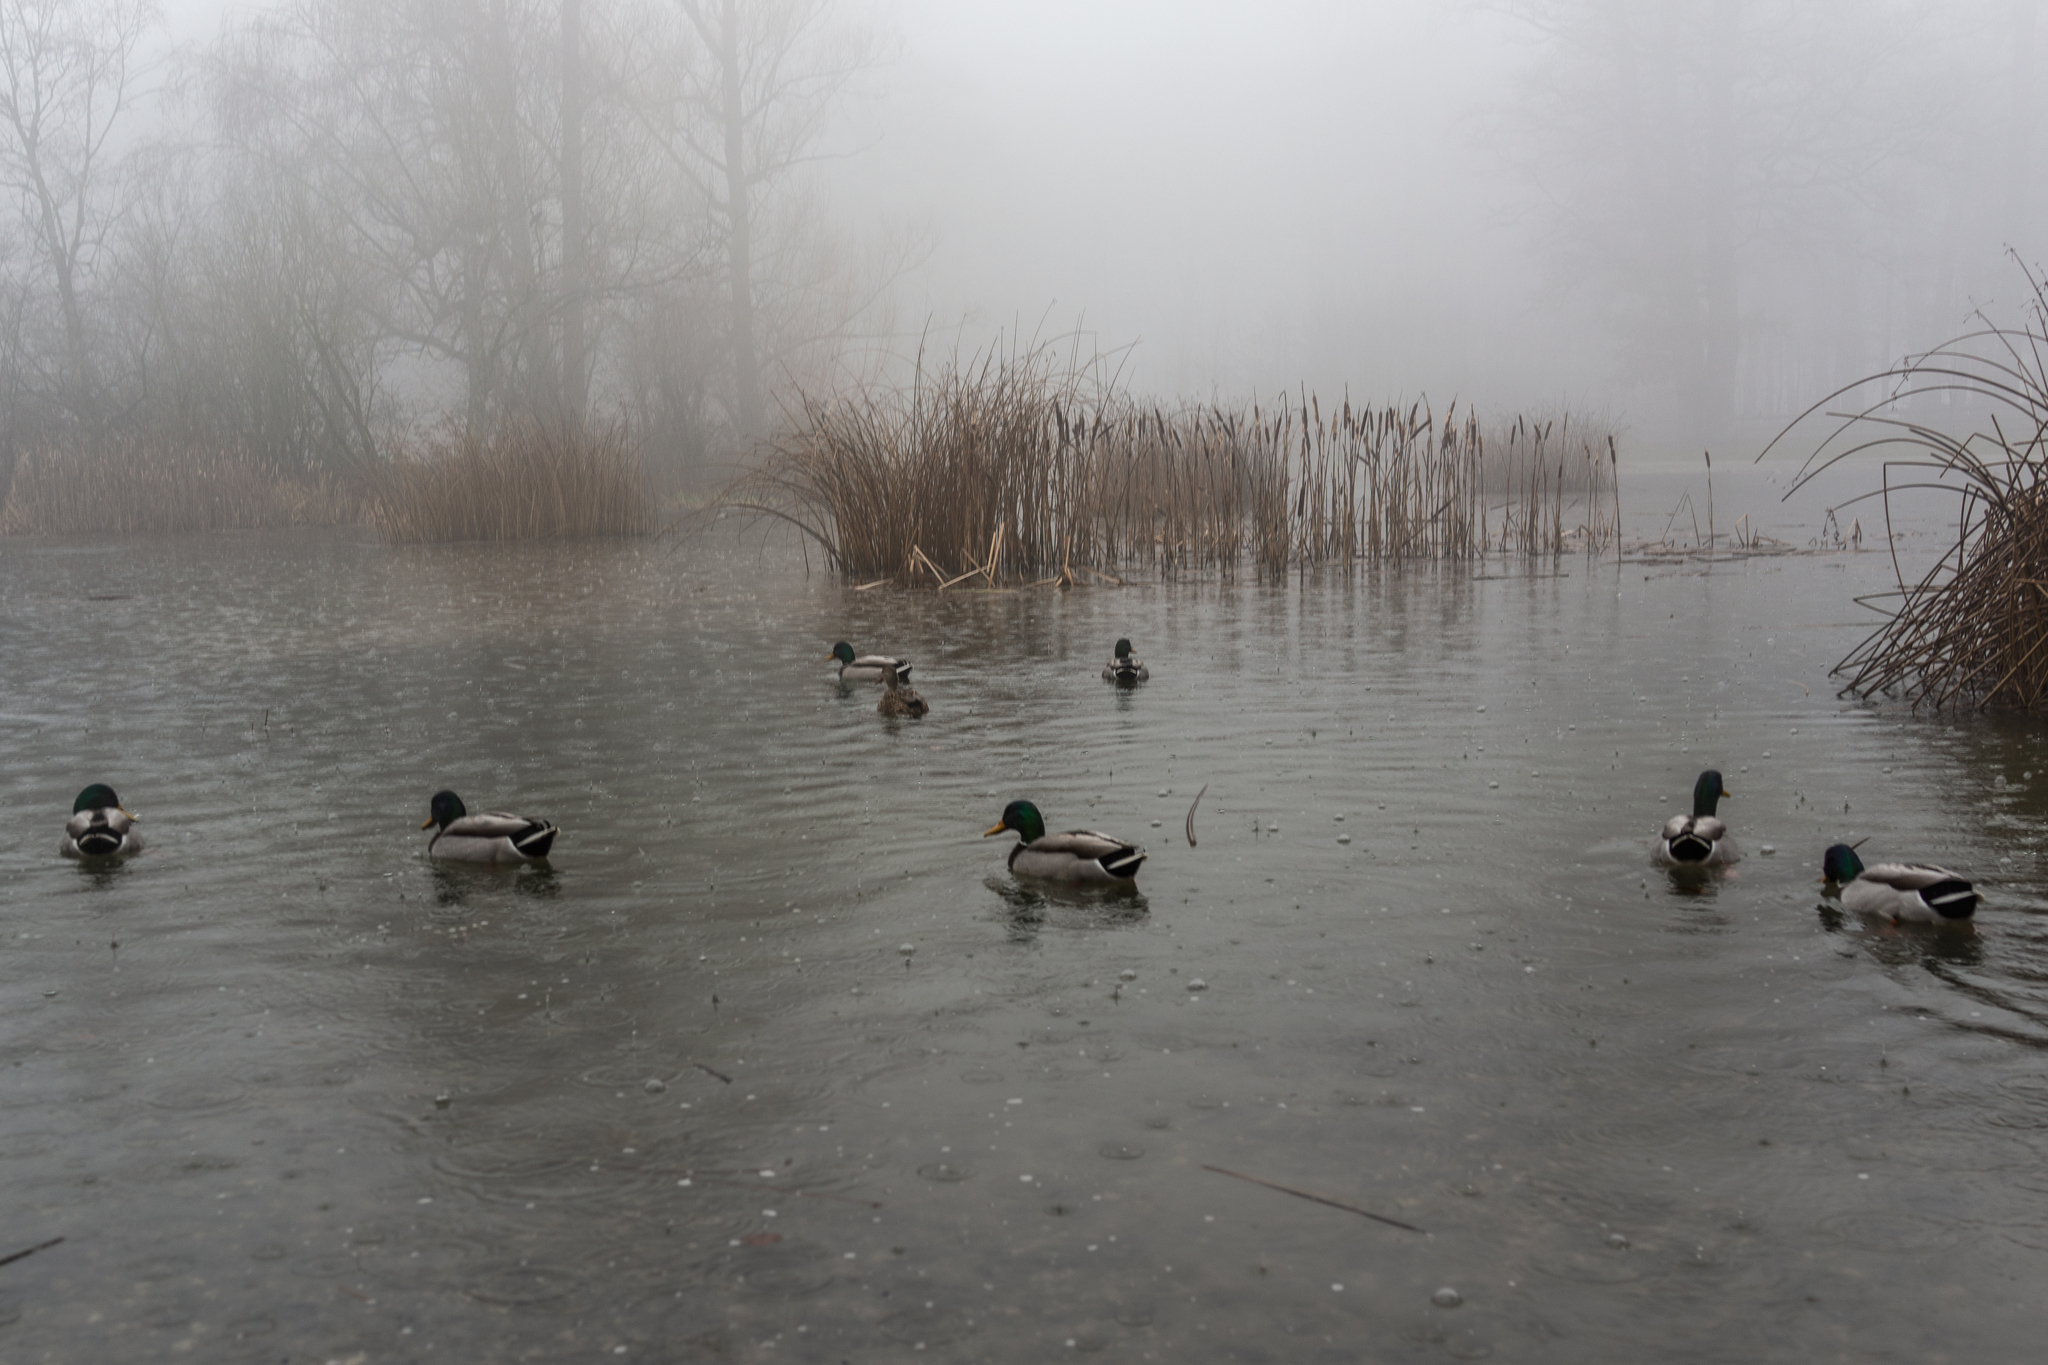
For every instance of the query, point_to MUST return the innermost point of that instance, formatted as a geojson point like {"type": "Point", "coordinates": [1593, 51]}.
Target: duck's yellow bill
{"type": "Point", "coordinates": [1000, 827]}
{"type": "Point", "coordinates": [427, 823]}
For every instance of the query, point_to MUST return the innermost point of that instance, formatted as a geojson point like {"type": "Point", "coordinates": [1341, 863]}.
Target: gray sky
{"type": "Point", "coordinates": [1257, 195]}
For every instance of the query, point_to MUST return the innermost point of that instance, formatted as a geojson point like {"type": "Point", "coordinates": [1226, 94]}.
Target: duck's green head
{"type": "Point", "coordinates": [447, 808]}
{"type": "Point", "coordinates": [842, 652]}
{"type": "Point", "coordinates": [1707, 793]}
{"type": "Point", "coordinates": [99, 796]}
{"type": "Point", "coordinates": [1840, 864]}
{"type": "Point", "coordinates": [1023, 817]}
{"type": "Point", "coordinates": [1123, 649]}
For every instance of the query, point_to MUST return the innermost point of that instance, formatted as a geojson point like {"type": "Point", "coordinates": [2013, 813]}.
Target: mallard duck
{"type": "Point", "coordinates": [98, 827]}
{"type": "Point", "coordinates": [1916, 892]}
{"type": "Point", "coordinates": [1080, 855]}
{"type": "Point", "coordinates": [1126, 668]}
{"type": "Point", "coordinates": [898, 700]}
{"type": "Point", "coordinates": [868, 667]}
{"type": "Point", "coordinates": [490, 837]}
{"type": "Point", "coordinates": [1698, 840]}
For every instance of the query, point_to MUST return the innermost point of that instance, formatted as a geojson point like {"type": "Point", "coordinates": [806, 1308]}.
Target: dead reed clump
{"type": "Point", "coordinates": [526, 481]}
{"type": "Point", "coordinates": [135, 483]}
{"type": "Point", "coordinates": [1973, 630]}
{"type": "Point", "coordinates": [1033, 467]}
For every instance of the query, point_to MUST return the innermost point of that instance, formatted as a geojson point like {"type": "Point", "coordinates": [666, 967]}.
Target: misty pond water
{"type": "Point", "coordinates": [777, 1062]}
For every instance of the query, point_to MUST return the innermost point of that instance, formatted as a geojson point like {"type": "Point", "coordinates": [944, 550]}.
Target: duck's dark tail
{"type": "Point", "coordinates": [536, 839]}
{"type": "Point", "coordinates": [1952, 899]}
{"type": "Point", "coordinates": [98, 841]}
{"type": "Point", "coordinates": [1690, 848]}
{"type": "Point", "coordinates": [1125, 862]}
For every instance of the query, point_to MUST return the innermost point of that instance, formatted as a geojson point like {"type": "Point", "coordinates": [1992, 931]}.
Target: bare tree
{"type": "Point", "coordinates": [69, 71]}
{"type": "Point", "coordinates": [749, 103]}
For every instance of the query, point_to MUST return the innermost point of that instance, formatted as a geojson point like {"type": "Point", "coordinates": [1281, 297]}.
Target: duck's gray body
{"type": "Point", "coordinates": [103, 832]}
{"type": "Point", "coordinates": [1917, 893]}
{"type": "Point", "coordinates": [493, 837]}
{"type": "Point", "coordinates": [1081, 855]}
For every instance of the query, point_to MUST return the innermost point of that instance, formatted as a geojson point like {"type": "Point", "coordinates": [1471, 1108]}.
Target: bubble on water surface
{"type": "Point", "coordinates": [1447, 1297]}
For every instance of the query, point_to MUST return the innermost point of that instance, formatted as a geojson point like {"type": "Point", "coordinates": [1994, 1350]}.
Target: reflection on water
{"type": "Point", "coordinates": [776, 1051]}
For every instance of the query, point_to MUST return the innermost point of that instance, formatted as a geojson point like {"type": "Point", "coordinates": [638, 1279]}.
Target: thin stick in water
{"type": "Point", "coordinates": [29, 1251]}
{"type": "Point", "coordinates": [1314, 1198]}
{"type": "Point", "coordinates": [1191, 813]}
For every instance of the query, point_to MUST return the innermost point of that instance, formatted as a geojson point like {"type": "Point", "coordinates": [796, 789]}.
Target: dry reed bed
{"type": "Point", "coordinates": [1973, 630]}
{"type": "Point", "coordinates": [137, 484]}
{"type": "Point", "coordinates": [1030, 468]}
{"type": "Point", "coordinates": [526, 481]}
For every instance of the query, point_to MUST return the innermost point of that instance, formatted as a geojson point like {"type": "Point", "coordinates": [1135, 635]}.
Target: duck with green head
{"type": "Point", "coordinates": [867, 667]}
{"type": "Point", "coordinates": [99, 827]}
{"type": "Point", "coordinates": [489, 837]}
{"type": "Point", "coordinates": [1081, 855]}
{"type": "Point", "coordinates": [1125, 668]}
{"type": "Point", "coordinates": [1699, 839]}
{"type": "Point", "coordinates": [1916, 893]}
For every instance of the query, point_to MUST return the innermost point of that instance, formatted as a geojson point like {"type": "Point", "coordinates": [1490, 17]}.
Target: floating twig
{"type": "Point", "coordinates": [709, 1072]}
{"type": "Point", "coordinates": [1191, 813]}
{"type": "Point", "coordinates": [30, 1251]}
{"type": "Point", "coordinates": [1314, 1198]}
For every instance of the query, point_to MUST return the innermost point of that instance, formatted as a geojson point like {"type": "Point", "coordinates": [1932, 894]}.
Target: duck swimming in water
{"type": "Point", "coordinates": [1125, 669]}
{"type": "Point", "coordinates": [489, 837]}
{"type": "Point", "coordinates": [1700, 839]}
{"type": "Point", "coordinates": [900, 701]}
{"type": "Point", "coordinates": [867, 667]}
{"type": "Point", "coordinates": [1080, 855]}
{"type": "Point", "coordinates": [1904, 893]}
{"type": "Point", "coordinates": [99, 827]}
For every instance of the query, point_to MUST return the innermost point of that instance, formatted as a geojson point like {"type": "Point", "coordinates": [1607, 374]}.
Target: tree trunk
{"type": "Point", "coordinates": [739, 225]}
{"type": "Point", "coordinates": [575, 279]}
{"type": "Point", "coordinates": [532, 353]}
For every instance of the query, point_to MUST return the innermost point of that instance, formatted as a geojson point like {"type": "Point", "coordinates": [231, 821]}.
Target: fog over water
{"type": "Point", "coordinates": [1698, 216]}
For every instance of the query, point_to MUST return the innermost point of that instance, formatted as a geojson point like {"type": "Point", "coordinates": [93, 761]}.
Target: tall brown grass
{"type": "Point", "coordinates": [1972, 631]}
{"type": "Point", "coordinates": [1032, 467]}
{"type": "Point", "coordinates": [140, 484]}
{"type": "Point", "coordinates": [527, 481]}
